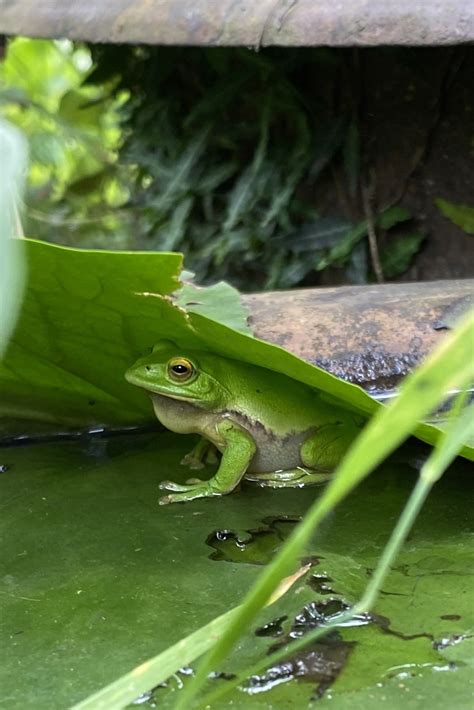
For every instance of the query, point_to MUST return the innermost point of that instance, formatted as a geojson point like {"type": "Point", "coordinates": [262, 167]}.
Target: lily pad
{"type": "Point", "coordinates": [96, 578]}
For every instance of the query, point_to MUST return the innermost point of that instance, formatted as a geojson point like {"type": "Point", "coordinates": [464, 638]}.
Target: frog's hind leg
{"type": "Point", "coordinates": [291, 478]}
{"type": "Point", "coordinates": [324, 449]}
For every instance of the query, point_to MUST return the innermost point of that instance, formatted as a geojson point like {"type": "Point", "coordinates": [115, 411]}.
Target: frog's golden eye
{"type": "Point", "coordinates": [180, 369]}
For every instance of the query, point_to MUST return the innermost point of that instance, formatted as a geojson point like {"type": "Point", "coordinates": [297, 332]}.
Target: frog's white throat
{"type": "Point", "coordinates": [180, 415]}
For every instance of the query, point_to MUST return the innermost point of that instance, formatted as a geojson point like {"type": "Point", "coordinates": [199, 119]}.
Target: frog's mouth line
{"type": "Point", "coordinates": [149, 389]}
{"type": "Point", "coordinates": [170, 395]}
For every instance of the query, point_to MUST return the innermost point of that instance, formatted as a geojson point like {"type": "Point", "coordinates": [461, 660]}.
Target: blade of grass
{"type": "Point", "coordinates": [450, 366]}
{"type": "Point", "coordinates": [243, 191]}
{"type": "Point", "coordinates": [446, 450]}
{"type": "Point", "coordinates": [154, 671]}
{"type": "Point", "coordinates": [297, 164]}
{"type": "Point", "coordinates": [178, 185]}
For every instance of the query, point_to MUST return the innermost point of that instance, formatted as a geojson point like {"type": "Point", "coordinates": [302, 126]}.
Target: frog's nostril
{"type": "Point", "coordinates": [147, 368]}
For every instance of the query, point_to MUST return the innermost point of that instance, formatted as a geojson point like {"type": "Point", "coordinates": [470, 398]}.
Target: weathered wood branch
{"type": "Point", "coordinates": [370, 335]}
{"type": "Point", "coordinates": [244, 22]}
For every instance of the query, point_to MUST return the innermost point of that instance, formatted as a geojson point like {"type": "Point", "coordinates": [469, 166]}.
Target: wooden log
{"type": "Point", "coordinates": [244, 22]}
{"type": "Point", "coordinates": [370, 335]}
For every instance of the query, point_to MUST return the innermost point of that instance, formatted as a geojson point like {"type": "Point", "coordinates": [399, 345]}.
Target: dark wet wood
{"type": "Point", "coordinates": [370, 335]}
{"type": "Point", "coordinates": [244, 22]}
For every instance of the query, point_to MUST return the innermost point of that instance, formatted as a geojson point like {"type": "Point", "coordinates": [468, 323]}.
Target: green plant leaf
{"type": "Point", "coordinates": [88, 314]}
{"type": "Point", "coordinates": [77, 109]}
{"type": "Point", "coordinates": [179, 182]}
{"type": "Point", "coordinates": [85, 317]}
{"type": "Point", "coordinates": [175, 229]}
{"type": "Point", "coordinates": [41, 69]}
{"type": "Point", "coordinates": [397, 257]}
{"type": "Point", "coordinates": [461, 215]}
{"type": "Point", "coordinates": [319, 234]}
{"type": "Point", "coordinates": [220, 302]}
{"type": "Point", "coordinates": [394, 215]}
{"type": "Point", "coordinates": [46, 148]}
{"type": "Point", "coordinates": [214, 177]}
{"type": "Point", "coordinates": [342, 250]}
{"type": "Point", "coordinates": [243, 194]}
{"type": "Point", "coordinates": [296, 165]}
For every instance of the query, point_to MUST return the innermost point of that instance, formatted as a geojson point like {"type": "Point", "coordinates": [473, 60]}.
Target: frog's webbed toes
{"type": "Point", "coordinates": [194, 481]}
{"type": "Point", "coordinates": [172, 486]}
{"type": "Point", "coordinates": [182, 493]}
{"type": "Point", "coordinates": [292, 478]}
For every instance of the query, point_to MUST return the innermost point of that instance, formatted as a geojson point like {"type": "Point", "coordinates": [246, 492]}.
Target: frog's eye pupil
{"type": "Point", "coordinates": [180, 369]}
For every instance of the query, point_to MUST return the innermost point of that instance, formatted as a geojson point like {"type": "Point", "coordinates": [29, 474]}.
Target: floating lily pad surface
{"type": "Point", "coordinates": [96, 578]}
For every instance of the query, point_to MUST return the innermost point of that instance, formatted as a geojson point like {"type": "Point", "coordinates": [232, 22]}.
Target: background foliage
{"type": "Point", "coordinates": [228, 155]}
{"type": "Point", "coordinates": [73, 129]}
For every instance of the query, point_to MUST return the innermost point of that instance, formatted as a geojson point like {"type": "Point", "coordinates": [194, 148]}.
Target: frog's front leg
{"type": "Point", "coordinates": [204, 452]}
{"type": "Point", "coordinates": [238, 453]}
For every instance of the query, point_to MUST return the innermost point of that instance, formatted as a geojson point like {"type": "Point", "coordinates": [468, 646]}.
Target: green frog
{"type": "Point", "coordinates": [268, 428]}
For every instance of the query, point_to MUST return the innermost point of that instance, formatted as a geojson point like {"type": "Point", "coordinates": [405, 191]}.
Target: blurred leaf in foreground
{"type": "Point", "coordinates": [13, 155]}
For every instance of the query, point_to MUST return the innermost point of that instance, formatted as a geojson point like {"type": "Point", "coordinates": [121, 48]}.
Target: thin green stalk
{"type": "Point", "coordinates": [444, 453]}
{"type": "Point", "coordinates": [391, 550]}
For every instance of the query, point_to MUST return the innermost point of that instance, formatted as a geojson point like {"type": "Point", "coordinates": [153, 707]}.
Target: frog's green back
{"type": "Point", "coordinates": [275, 400]}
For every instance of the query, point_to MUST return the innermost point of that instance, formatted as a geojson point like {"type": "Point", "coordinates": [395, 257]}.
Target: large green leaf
{"type": "Point", "coordinates": [85, 317]}
{"type": "Point", "coordinates": [88, 314]}
{"type": "Point", "coordinates": [96, 578]}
